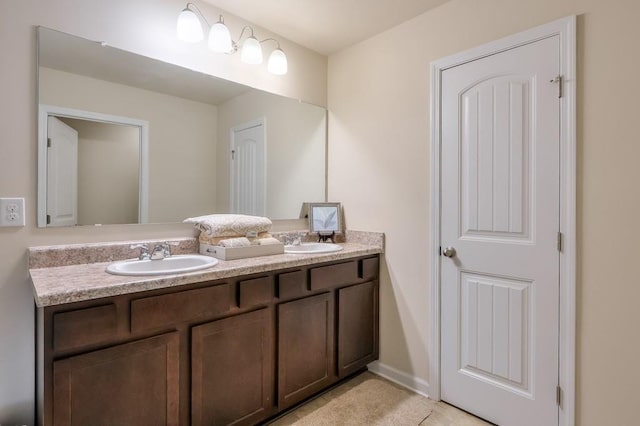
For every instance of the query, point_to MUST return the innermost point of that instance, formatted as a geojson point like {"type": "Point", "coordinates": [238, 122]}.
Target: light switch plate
{"type": "Point", "coordinates": [12, 212]}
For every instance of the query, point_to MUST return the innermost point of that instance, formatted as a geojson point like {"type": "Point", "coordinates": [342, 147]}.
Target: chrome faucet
{"type": "Point", "coordinates": [162, 250]}
{"type": "Point", "coordinates": [144, 251]}
{"type": "Point", "coordinates": [293, 239]}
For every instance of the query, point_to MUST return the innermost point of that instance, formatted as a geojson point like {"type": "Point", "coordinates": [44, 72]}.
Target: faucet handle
{"type": "Point", "coordinates": [144, 251]}
{"type": "Point", "coordinates": [294, 238]}
{"type": "Point", "coordinates": [166, 247]}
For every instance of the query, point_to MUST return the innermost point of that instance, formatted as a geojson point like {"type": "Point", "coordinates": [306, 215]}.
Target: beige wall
{"type": "Point", "coordinates": [379, 115]}
{"type": "Point", "coordinates": [182, 138]}
{"type": "Point", "coordinates": [108, 172]}
{"type": "Point", "coordinates": [296, 148]}
{"type": "Point", "coordinates": [146, 27]}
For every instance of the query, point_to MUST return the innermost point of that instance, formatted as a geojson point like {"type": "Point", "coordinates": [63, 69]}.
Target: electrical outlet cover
{"type": "Point", "coordinates": [12, 212]}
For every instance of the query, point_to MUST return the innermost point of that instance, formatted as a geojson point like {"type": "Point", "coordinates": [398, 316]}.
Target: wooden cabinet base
{"type": "Point", "coordinates": [229, 352]}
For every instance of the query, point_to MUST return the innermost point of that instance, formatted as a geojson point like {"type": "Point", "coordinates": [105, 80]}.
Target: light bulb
{"type": "Point", "coordinates": [220, 38]}
{"type": "Point", "coordinates": [277, 62]}
{"type": "Point", "coordinates": [189, 28]}
{"type": "Point", "coordinates": [251, 51]}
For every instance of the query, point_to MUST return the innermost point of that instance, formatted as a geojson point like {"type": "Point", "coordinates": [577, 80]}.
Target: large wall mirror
{"type": "Point", "coordinates": [123, 138]}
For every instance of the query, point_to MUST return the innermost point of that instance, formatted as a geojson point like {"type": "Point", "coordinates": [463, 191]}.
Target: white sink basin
{"type": "Point", "coordinates": [311, 248]}
{"type": "Point", "coordinates": [171, 265]}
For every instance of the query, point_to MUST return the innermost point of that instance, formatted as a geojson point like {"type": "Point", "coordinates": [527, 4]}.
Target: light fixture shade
{"type": "Point", "coordinates": [189, 28]}
{"type": "Point", "coordinates": [251, 51]}
{"type": "Point", "coordinates": [277, 62]}
{"type": "Point", "coordinates": [220, 38]}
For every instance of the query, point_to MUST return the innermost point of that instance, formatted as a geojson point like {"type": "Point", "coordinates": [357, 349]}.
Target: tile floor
{"type": "Point", "coordinates": [368, 399]}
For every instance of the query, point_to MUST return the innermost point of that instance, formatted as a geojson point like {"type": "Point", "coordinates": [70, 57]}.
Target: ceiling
{"type": "Point", "coordinates": [326, 26]}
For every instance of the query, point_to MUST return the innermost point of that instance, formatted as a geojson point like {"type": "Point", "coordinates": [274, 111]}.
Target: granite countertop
{"type": "Point", "coordinates": [56, 285]}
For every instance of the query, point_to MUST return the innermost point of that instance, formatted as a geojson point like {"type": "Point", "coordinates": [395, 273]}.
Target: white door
{"type": "Point", "coordinates": [248, 180]}
{"type": "Point", "coordinates": [500, 212]}
{"type": "Point", "coordinates": [62, 174]}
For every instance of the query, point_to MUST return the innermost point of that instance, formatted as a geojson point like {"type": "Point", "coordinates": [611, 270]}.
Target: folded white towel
{"type": "Point", "coordinates": [268, 241]}
{"type": "Point", "coordinates": [229, 225]}
{"type": "Point", "coordinates": [235, 242]}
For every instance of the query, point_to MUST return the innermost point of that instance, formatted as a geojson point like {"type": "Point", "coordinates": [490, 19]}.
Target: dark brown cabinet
{"type": "Point", "coordinates": [358, 327]}
{"type": "Point", "coordinates": [130, 384]}
{"type": "Point", "coordinates": [232, 369]}
{"type": "Point", "coordinates": [305, 348]}
{"type": "Point", "coordinates": [235, 351]}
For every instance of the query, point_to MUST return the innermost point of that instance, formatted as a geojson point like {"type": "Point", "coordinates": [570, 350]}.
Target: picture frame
{"type": "Point", "coordinates": [325, 218]}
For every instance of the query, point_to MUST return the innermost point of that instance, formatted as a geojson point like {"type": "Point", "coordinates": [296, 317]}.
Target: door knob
{"type": "Point", "coordinates": [449, 252]}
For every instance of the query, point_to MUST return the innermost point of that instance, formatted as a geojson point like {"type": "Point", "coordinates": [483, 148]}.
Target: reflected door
{"type": "Point", "coordinates": [248, 180]}
{"type": "Point", "coordinates": [62, 174]}
{"type": "Point", "coordinates": [500, 212]}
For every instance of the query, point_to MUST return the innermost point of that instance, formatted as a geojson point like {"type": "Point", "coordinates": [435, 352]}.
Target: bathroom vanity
{"type": "Point", "coordinates": [235, 344]}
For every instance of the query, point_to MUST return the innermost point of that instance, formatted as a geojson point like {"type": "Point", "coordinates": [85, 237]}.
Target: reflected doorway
{"type": "Point", "coordinates": [248, 180]}
{"type": "Point", "coordinates": [94, 170]}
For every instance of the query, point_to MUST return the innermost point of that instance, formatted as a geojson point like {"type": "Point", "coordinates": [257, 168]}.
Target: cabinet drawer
{"type": "Point", "coordinates": [84, 327]}
{"type": "Point", "coordinates": [369, 269]}
{"type": "Point", "coordinates": [334, 275]}
{"type": "Point", "coordinates": [168, 310]}
{"type": "Point", "coordinates": [292, 284]}
{"type": "Point", "coordinates": [255, 292]}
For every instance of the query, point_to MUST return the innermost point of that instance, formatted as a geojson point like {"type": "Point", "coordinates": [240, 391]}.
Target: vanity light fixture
{"type": "Point", "coordinates": [220, 37]}
{"type": "Point", "coordinates": [190, 30]}
{"type": "Point", "coordinates": [251, 52]}
{"type": "Point", "coordinates": [277, 63]}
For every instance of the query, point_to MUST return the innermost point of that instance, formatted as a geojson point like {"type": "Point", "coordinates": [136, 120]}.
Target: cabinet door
{"type": "Point", "coordinates": [306, 357]}
{"type": "Point", "coordinates": [232, 369]}
{"type": "Point", "coordinates": [130, 384]}
{"type": "Point", "coordinates": [357, 327]}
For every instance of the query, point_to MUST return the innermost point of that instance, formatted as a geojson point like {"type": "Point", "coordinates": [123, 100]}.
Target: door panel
{"type": "Point", "coordinates": [62, 174]}
{"type": "Point", "coordinates": [500, 211]}
{"type": "Point", "coordinates": [494, 142]}
{"type": "Point", "coordinates": [248, 171]}
{"type": "Point", "coordinates": [495, 330]}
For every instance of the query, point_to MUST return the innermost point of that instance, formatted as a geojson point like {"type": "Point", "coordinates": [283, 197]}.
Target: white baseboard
{"type": "Point", "coordinates": [401, 378]}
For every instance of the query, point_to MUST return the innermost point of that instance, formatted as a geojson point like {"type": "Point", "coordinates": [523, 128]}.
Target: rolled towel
{"type": "Point", "coordinates": [268, 241]}
{"type": "Point", "coordinates": [229, 225]}
{"type": "Point", "coordinates": [235, 242]}
{"type": "Point", "coordinates": [205, 239]}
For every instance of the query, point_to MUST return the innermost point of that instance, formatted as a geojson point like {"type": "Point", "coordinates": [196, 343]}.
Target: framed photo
{"type": "Point", "coordinates": [325, 218]}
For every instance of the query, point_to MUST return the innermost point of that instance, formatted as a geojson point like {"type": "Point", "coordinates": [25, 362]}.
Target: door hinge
{"type": "Point", "coordinates": [559, 241]}
{"type": "Point", "coordinates": [558, 396]}
{"type": "Point", "coordinates": [233, 154]}
{"type": "Point", "coordinates": [560, 82]}
{"type": "Point", "coordinates": [48, 219]}
{"type": "Point", "coordinates": [48, 142]}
